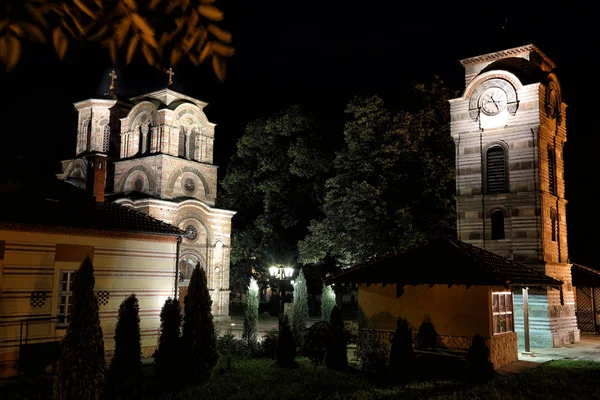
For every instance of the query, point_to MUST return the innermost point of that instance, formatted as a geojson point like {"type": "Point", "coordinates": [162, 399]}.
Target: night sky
{"type": "Point", "coordinates": [318, 54]}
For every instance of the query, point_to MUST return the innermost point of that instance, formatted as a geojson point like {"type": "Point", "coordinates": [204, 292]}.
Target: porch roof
{"type": "Point", "coordinates": [444, 262]}
{"type": "Point", "coordinates": [585, 276]}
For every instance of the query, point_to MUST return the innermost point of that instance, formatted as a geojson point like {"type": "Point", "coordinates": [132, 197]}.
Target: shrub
{"type": "Point", "coordinates": [80, 367]}
{"type": "Point", "coordinates": [166, 357]}
{"type": "Point", "coordinates": [402, 354]}
{"type": "Point", "coordinates": [228, 344]}
{"type": "Point", "coordinates": [351, 332]}
{"type": "Point", "coordinates": [327, 302]}
{"type": "Point", "coordinates": [479, 367]}
{"type": "Point", "coordinates": [126, 366]}
{"type": "Point", "coordinates": [317, 343]}
{"type": "Point", "coordinates": [337, 350]}
{"type": "Point", "coordinates": [299, 309]}
{"type": "Point", "coordinates": [199, 341]}
{"type": "Point", "coordinates": [285, 352]}
{"type": "Point", "coordinates": [251, 313]}
{"type": "Point", "coordinates": [372, 349]}
{"type": "Point", "coordinates": [269, 342]}
{"type": "Point", "coordinates": [427, 336]}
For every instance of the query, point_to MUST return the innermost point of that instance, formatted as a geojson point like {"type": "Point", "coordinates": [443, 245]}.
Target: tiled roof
{"type": "Point", "coordinates": [585, 276]}
{"type": "Point", "coordinates": [64, 205]}
{"type": "Point", "coordinates": [445, 262]}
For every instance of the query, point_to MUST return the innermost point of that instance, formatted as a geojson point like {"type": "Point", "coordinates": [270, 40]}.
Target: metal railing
{"type": "Point", "coordinates": [34, 357]}
{"type": "Point", "coordinates": [383, 339]}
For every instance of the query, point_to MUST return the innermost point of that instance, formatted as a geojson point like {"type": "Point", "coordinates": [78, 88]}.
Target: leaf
{"type": "Point", "coordinates": [35, 32]}
{"type": "Point", "coordinates": [148, 54]}
{"type": "Point", "coordinates": [16, 29]}
{"type": "Point", "coordinates": [74, 19]}
{"type": "Point", "coordinates": [193, 60]}
{"type": "Point", "coordinates": [219, 66]}
{"type": "Point", "coordinates": [14, 52]}
{"type": "Point", "coordinates": [67, 27]}
{"type": "Point", "coordinates": [60, 42]}
{"type": "Point", "coordinates": [206, 52]}
{"type": "Point", "coordinates": [36, 14]}
{"type": "Point", "coordinates": [223, 50]}
{"type": "Point", "coordinates": [175, 56]}
{"type": "Point", "coordinates": [85, 9]}
{"type": "Point", "coordinates": [153, 4]}
{"type": "Point", "coordinates": [188, 42]}
{"type": "Point", "coordinates": [3, 48]}
{"type": "Point", "coordinates": [99, 35]}
{"type": "Point", "coordinates": [3, 23]}
{"type": "Point", "coordinates": [219, 33]}
{"type": "Point", "coordinates": [147, 31]}
{"type": "Point", "coordinates": [210, 12]}
{"type": "Point", "coordinates": [131, 49]}
{"type": "Point", "coordinates": [121, 31]}
{"type": "Point", "coordinates": [131, 4]}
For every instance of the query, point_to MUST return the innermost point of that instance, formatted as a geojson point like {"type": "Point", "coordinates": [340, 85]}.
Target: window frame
{"type": "Point", "coordinates": [493, 225]}
{"type": "Point", "coordinates": [500, 312]}
{"type": "Point", "coordinates": [552, 189]}
{"type": "Point", "coordinates": [62, 318]}
{"type": "Point", "coordinates": [553, 223]}
{"type": "Point", "coordinates": [485, 160]}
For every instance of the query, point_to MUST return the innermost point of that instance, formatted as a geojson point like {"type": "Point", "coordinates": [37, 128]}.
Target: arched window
{"type": "Point", "coordinates": [192, 145]}
{"type": "Point", "coordinates": [553, 222]}
{"type": "Point", "coordinates": [182, 144]}
{"type": "Point", "coordinates": [551, 171]}
{"type": "Point", "coordinates": [496, 170]}
{"type": "Point", "coordinates": [106, 138]}
{"type": "Point", "coordinates": [497, 225]}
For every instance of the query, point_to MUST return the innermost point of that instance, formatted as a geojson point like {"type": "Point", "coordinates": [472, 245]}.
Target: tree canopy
{"type": "Point", "coordinates": [164, 32]}
{"type": "Point", "coordinates": [393, 181]}
{"type": "Point", "coordinates": [275, 183]}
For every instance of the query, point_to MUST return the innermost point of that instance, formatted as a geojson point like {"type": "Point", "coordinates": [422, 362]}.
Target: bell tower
{"type": "Point", "coordinates": [509, 128]}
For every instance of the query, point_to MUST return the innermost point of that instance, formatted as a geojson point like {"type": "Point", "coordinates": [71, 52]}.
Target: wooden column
{"type": "Point", "coordinates": [526, 318]}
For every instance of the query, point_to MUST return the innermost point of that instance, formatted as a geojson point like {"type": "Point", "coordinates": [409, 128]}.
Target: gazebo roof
{"type": "Point", "coordinates": [445, 262]}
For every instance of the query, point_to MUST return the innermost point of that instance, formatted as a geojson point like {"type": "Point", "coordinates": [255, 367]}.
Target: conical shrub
{"type": "Point", "coordinates": [166, 359]}
{"type": "Point", "coordinates": [199, 339]}
{"type": "Point", "coordinates": [402, 354]}
{"type": "Point", "coordinates": [285, 352]}
{"type": "Point", "coordinates": [80, 367]}
{"type": "Point", "coordinates": [337, 349]}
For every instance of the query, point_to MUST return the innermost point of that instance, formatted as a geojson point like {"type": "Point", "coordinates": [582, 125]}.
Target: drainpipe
{"type": "Point", "coordinates": [179, 238]}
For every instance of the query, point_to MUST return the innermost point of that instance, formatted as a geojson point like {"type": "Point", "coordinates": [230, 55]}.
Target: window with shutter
{"type": "Point", "coordinates": [182, 143]}
{"type": "Point", "coordinates": [551, 171]}
{"type": "Point", "coordinates": [553, 222]}
{"type": "Point", "coordinates": [496, 170]}
{"type": "Point", "coordinates": [497, 225]}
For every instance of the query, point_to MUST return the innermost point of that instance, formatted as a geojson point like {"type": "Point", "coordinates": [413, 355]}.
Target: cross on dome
{"type": "Point", "coordinates": [170, 73]}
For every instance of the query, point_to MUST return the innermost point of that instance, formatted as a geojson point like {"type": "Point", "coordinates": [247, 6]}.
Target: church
{"type": "Point", "coordinates": [507, 276]}
{"type": "Point", "coordinates": [138, 198]}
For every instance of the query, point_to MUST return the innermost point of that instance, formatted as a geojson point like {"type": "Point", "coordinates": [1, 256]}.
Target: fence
{"type": "Point", "coordinates": [35, 357]}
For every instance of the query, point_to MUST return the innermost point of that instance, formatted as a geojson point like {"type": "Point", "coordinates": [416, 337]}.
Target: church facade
{"type": "Point", "coordinates": [157, 152]}
{"type": "Point", "coordinates": [509, 128]}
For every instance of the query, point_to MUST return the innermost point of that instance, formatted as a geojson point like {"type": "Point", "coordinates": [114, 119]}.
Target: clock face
{"type": "Point", "coordinates": [493, 101]}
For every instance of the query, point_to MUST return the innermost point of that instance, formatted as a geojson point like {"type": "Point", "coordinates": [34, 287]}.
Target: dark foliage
{"type": "Point", "coordinates": [427, 336]}
{"type": "Point", "coordinates": [229, 345]}
{"type": "Point", "coordinates": [199, 341]}
{"type": "Point", "coordinates": [125, 369]}
{"type": "Point", "coordinates": [402, 355]}
{"type": "Point", "coordinates": [337, 349]}
{"type": "Point", "coordinates": [285, 352]}
{"type": "Point", "coordinates": [317, 342]}
{"type": "Point", "coordinates": [269, 343]}
{"type": "Point", "coordinates": [80, 369]}
{"type": "Point", "coordinates": [166, 358]}
{"type": "Point", "coordinates": [479, 367]}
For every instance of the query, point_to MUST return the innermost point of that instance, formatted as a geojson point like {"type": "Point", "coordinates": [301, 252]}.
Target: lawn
{"type": "Point", "coordinates": [247, 378]}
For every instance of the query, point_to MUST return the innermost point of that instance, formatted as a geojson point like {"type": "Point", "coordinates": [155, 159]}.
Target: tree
{"type": "Point", "coordinates": [166, 359]}
{"type": "Point", "coordinates": [327, 302]}
{"type": "Point", "coordinates": [275, 182]}
{"type": "Point", "coordinates": [126, 366]}
{"type": "Point", "coordinates": [80, 368]}
{"type": "Point", "coordinates": [164, 31]}
{"type": "Point", "coordinates": [251, 312]}
{"type": "Point", "coordinates": [285, 351]}
{"type": "Point", "coordinates": [402, 354]}
{"type": "Point", "coordinates": [337, 351]}
{"type": "Point", "coordinates": [479, 367]}
{"type": "Point", "coordinates": [393, 183]}
{"type": "Point", "coordinates": [300, 309]}
{"type": "Point", "coordinates": [199, 340]}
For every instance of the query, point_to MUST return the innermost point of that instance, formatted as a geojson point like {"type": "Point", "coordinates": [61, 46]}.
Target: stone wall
{"type": "Point", "coordinates": [503, 349]}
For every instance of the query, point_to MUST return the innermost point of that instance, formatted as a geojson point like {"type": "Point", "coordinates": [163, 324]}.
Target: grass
{"type": "Point", "coordinates": [247, 378]}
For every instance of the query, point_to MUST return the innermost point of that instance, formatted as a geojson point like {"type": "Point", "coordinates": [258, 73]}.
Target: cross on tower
{"type": "Point", "coordinates": [170, 73]}
{"type": "Point", "coordinates": [113, 76]}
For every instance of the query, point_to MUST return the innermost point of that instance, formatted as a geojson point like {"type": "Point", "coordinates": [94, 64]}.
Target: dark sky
{"type": "Point", "coordinates": [318, 54]}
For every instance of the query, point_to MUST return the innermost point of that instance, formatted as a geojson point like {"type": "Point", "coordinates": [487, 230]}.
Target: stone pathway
{"type": "Point", "coordinates": [587, 349]}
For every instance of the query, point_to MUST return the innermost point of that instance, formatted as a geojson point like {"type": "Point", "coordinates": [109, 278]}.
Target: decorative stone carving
{"type": "Point", "coordinates": [512, 103]}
